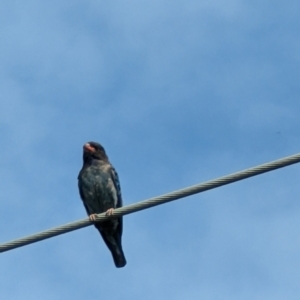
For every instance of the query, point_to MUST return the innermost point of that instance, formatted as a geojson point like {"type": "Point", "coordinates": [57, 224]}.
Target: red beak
{"type": "Point", "coordinates": [88, 147]}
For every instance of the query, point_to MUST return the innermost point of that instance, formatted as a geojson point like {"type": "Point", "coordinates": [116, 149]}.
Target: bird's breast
{"type": "Point", "coordinates": [97, 189]}
{"type": "Point", "coordinates": [91, 177]}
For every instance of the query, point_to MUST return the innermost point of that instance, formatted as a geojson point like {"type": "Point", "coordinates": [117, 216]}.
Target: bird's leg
{"type": "Point", "coordinates": [110, 212]}
{"type": "Point", "coordinates": [93, 217]}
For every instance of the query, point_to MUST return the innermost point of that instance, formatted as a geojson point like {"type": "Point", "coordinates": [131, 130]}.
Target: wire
{"type": "Point", "coordinates": [267, 167]}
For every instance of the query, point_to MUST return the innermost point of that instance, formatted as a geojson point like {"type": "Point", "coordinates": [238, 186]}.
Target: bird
{"type": "Point", "coordinates": [100, 191]}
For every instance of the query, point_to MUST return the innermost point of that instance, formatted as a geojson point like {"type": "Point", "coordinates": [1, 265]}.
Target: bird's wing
{"type": "Point", "coordinates": [81, 193]}
{"type": "Point", "coordinates": [115, 179]}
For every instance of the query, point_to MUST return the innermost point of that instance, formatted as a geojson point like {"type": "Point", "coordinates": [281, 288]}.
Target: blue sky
{"type": "Point", "coordinates": [178, 92]}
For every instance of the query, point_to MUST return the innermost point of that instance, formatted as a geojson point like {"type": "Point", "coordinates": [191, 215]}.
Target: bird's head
{"type": "Point", "coordinates": [94, 150]}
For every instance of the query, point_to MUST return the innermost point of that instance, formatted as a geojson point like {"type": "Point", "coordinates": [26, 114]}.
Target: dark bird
{"type": "Point", "coordinates": [100, 192]}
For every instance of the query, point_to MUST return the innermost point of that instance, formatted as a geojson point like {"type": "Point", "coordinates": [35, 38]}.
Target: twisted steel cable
{"type": "Point", "coordinates": [198, 188]}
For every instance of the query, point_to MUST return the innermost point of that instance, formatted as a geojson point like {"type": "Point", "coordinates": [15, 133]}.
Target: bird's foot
{"type": "Point", "coordinates": [110, 212]}
{"type": "Point", "coordinates": [93, 217]}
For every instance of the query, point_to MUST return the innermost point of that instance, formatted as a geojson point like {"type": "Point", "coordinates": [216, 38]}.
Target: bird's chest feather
{"type": "Point", "coordinates": [97, 188]}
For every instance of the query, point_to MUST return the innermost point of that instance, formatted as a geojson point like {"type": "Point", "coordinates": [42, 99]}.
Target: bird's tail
{"type": "Point", "coordinates": [119, 257]}
{"type": "Point", "coordinates": [113, 242]}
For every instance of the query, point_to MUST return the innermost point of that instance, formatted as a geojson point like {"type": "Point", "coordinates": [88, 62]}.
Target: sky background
{"type": "Point", "coordinates": [178, 92]}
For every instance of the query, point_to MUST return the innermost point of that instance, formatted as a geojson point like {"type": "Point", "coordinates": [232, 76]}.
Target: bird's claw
{"type": "Point", "coordinates": [110, 212]}
{"type": "Point", "coordinates": [93, 217]}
